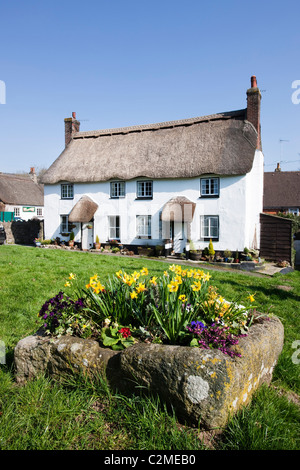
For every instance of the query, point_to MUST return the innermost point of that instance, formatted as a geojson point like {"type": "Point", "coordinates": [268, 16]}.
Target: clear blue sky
{"type": "Point", "coordinates": [120, 63]}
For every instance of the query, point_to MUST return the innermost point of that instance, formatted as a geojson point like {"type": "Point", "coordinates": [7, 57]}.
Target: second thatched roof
{"type": "Point", "coordinates": [221, 144]}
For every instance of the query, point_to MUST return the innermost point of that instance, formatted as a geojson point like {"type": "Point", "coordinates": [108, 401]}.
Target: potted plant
{"type": "Point", "coordinates": [236, 258]}
{"type": "Point", "coordinates": [71, 241]}
{"type": "Point", "coordinates": [211, 251]}
{"type": "Point", "coordinates": [227, 255]}
{"type": "Point", "coordinates": [195, 254]}
{"type": "Point", "coordinates": [97, 243]}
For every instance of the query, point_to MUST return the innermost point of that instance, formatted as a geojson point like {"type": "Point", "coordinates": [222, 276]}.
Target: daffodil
{"type": "Point", "coordinates": [173, 286]}
{"type": "Point", "coordinates": [67, 284]}
{"type": "Point", "coordinates": [153, 281]}
{"type": "Point", "coordinates": [119, 274]}
{"type": "Point", "coordinates": [166, 273]}
{"type": "Point", "coordinates": [133, 295]}
{"type": "Point", "coordinates": [140, 288]}
{"type": "Point", "coordinates": [177, 269]}
{"type": "Point", "coordinates": [144, 272]}
{"type": "Point", "coordinates": [196, 286]}
{"type": "Point", "coordinates": [172, 268]}
{"type": "Point", "coordinates": [135, 276]}
{"type": "Point", "coordinates": [98, 288]}
{"type": "Point", "coordinates": [251, 298]}
{"type": "Point", "coordinates": [183, 298]}
{"type": "Point", "coordinates": [71, 276]}
{"type": "Point", "coordinates": [178, 279]}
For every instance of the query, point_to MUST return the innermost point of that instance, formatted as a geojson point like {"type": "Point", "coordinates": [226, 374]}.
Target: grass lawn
{"type": "Point", "coordinates": [83, 415]}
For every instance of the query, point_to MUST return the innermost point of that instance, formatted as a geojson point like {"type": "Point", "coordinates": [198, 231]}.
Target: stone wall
{"type": "Point", "coordinates": [201, 385]}
{"type": "Point", "coordinates": [23, 232]}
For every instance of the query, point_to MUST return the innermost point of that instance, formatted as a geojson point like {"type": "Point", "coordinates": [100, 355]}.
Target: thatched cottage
{"type": "Point", "coordinates": [22, 195]}
{"type": "Point", "coordinates": [193, 179]}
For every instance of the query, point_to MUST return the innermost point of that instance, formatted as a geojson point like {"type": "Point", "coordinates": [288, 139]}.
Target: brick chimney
{"type": "Point", "coordinates": [71, 127]}
{"type": "Point", "coordinates": [253, 108]}
{"type": "Point", "coordinates": [33, 175]}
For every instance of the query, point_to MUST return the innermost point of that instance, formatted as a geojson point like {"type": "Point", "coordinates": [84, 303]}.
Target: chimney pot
{"type": "Point", "coordinates": [253, 108]}
{"type": "Point", "coordinates": [253, 82]}
{"type": "Point", "coordinates": [71, 127]}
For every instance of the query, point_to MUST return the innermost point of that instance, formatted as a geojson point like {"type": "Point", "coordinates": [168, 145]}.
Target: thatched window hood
{"type": "Point", "coordinates": [220, 144]}
{"type": "Point", "coordinates": [83, 211]}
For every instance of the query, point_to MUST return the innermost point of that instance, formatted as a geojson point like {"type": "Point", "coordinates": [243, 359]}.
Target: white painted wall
{"type": "Point", "coordinates": [25, 215]}
{"type": "Point", "coordinates": [238, 208]}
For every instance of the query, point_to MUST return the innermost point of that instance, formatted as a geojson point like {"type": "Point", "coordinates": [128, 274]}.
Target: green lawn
{"type": "Point", "coordinates": [84, 415]}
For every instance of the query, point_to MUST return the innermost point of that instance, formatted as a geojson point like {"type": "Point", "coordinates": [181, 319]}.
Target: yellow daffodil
{"type": "Point", "coordinates": [190, 273]}
{"type": "Point", "coordinates": [153, 281]}
{"type": "Point", "coordinates": [206, 277]}
{"type": "Point", "coordinates": [172, 268]}
{"type": "Point", "coordinates": [196, 286]}
{"type": "Point", "coordinates": [173, 286]}
{"type": "Point", "coordinates": [135, 276]}
{"type": "Point", "coordinates": [177, 269]}
{"type": "Point", "coordinates": [71, 276]}
{"type": "Point", "coordinates": [98, 288]}
{"type": "Point", "coordinates": [119, 274]}
{"type": "Point", "coordinates": [251, 298]}
{"type": "Point", "coordinates": [133, 295]}
{"type": "Point", "coordinates": [144, 272]}
{"type": "Point", "coordinates": [183, 298]}
{"type": "Point", "coordinates": [178, 279]}
{"type": "Point", "coordinates": [140, 288]}
{"type": "Point", "coordinates": [166, 273]}
{"type": "Point", "coordinates": [67, 284]}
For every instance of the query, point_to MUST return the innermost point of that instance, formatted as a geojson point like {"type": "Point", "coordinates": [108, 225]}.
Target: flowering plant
{"type": "Point", "coordinates": [178, 307]}
{"type": "Point", "coordinates": [117, 337]}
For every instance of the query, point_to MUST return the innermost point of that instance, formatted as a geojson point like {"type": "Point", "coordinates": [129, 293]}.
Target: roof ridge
{"type": "Point", "coordinates": [160, 125]}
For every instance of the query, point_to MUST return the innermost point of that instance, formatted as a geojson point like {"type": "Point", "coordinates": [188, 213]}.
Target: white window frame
{"type": "Point", "coordinates": [117, 189]}
{"type": "Point", "coordinates": [207, 229]}
{"type": "Point", "coordinates": [67, 191]}
{"type": "Point", "coordinates": [114, 223]}
{"type": "Point", "coordinates": [210, 187]}
{"type": "Point", "coordinates": [17, 211]}
{"type": "Point", "coordinates": [143, 226]}
{"type": "Point", "coordinates": [39, 211]}
{"type": "Point", "coordinates": [144, 189]}
{"type": "Point", "coordinates": [64, 224]}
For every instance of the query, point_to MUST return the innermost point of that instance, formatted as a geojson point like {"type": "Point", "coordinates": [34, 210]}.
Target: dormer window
{"type": "Point", "coordinates": [67, 191]}
{"type": "Point", "coordinates": [209, 187]}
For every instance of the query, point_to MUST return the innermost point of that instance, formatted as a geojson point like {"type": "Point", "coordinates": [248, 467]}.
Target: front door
{"type": "Point", "coordinates": [87, 235]}
{"type": "Point", "coordinates": [178, 235]}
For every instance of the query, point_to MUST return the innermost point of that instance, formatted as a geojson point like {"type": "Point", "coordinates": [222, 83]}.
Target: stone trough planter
{"type": "Point", "coordinates": [203, 386]}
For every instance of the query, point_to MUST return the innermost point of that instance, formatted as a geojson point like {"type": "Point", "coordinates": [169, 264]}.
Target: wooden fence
{"type": "Point", "coordinates": [275, 238]}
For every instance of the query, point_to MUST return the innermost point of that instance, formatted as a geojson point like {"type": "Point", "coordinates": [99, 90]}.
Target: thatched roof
{"type": "Point", "coordinates": [178, 209]}
{"type": "Point", "coordinates": [222, 144]}
{"type": "Point", "coordinates": [20, 189]}
{"type": "Point", "coordinates": [281, 189]}
{"type": "Point", "coordinates": [83, 211]}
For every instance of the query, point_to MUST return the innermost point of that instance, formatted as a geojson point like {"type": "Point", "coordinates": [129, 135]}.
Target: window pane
{"type": "Point", "coordinates": [143, 225]}
{"type": "Point", "coordinates": [209, 186]}
{"type": "Point", "coordinates": [117, 189]}
{"type": "Point", "coordinates": [67, 191]}
{"type": "Point", "coordinates": [114, 227]}
{"type": "Point", "coordinates": [209, 226]}
{"type": "Point", "coordinates": [144, 189]}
